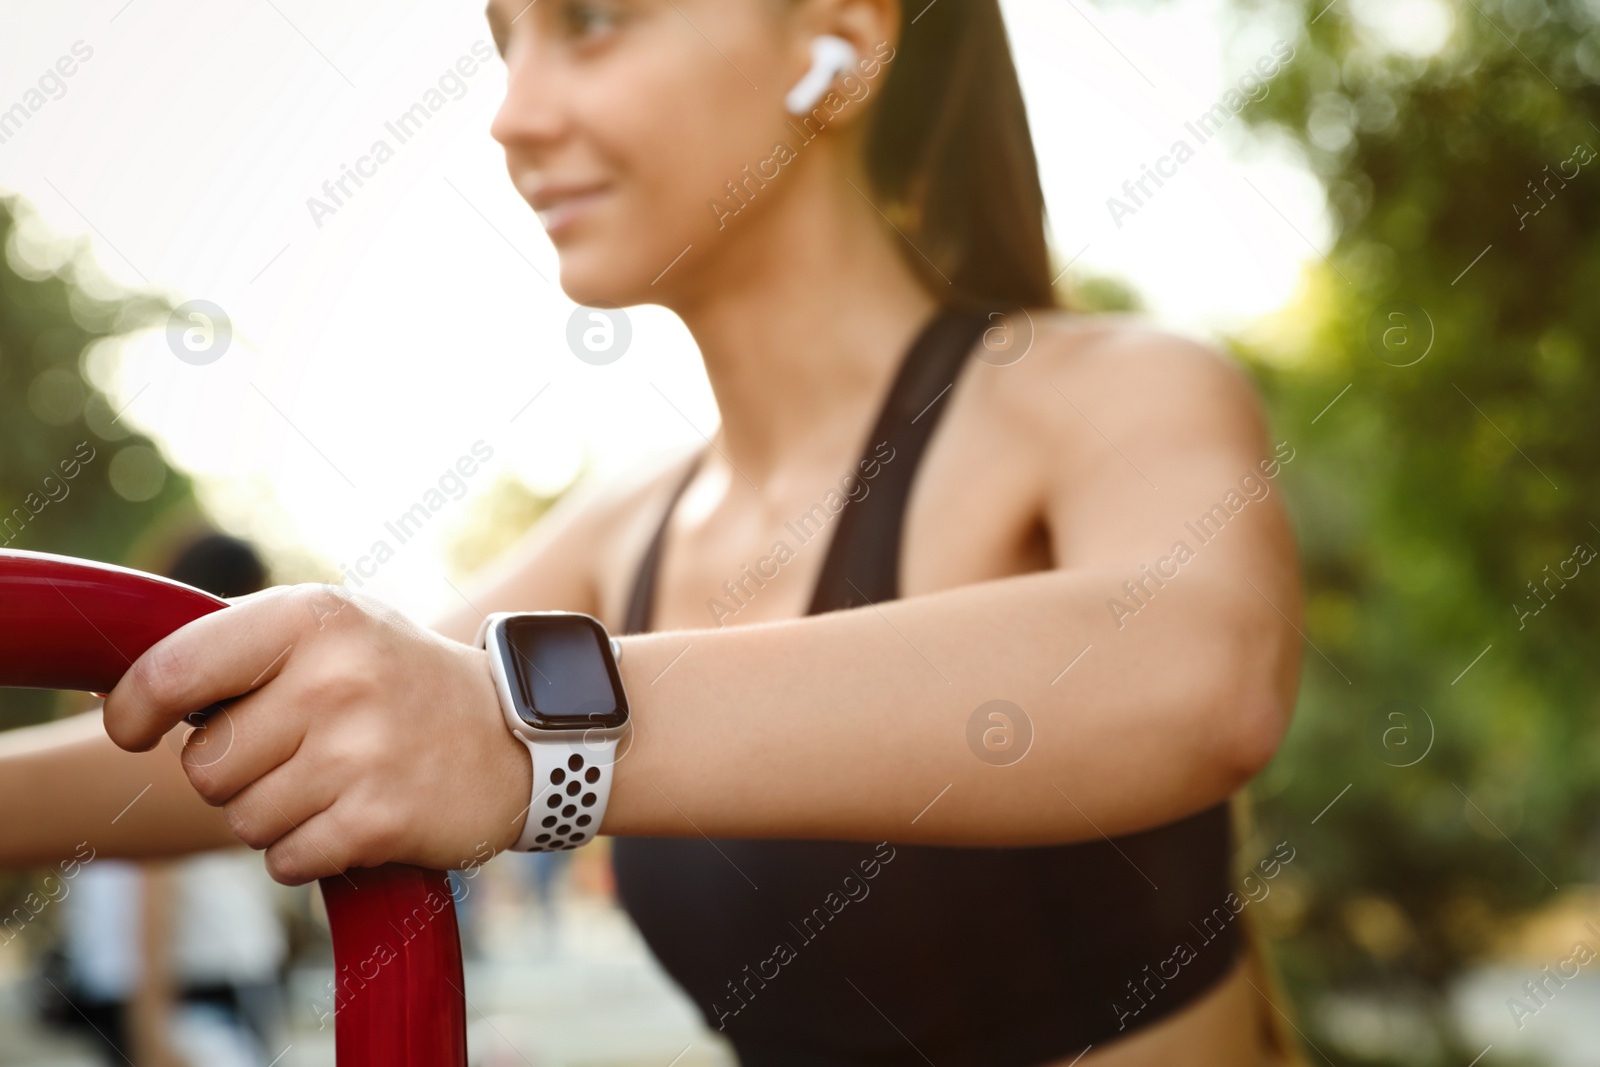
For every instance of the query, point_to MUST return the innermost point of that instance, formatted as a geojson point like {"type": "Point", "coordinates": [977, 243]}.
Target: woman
{"type": "Point", "coordinates": [819, 724]}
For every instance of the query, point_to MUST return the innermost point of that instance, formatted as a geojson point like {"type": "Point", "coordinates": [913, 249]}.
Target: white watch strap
{"type": "Point", "coordinates": [571, 784]}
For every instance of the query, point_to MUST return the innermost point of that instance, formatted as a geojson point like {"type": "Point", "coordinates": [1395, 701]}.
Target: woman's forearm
{"type": "Point", "coordinates": [866, 724]}
{"type": "Point", "coordinates": [63, 783]}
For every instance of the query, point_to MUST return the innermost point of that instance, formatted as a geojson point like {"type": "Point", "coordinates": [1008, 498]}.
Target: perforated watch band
{"type": "Point", "coordinates": [572, 768]}
{"type": "Point", "coordinates": [571, 784]}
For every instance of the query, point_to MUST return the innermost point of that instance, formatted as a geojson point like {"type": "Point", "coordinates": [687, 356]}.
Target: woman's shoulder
{"type": "Point", "coordinates": [571, 557]}
{"type": "Point", "coordinates": [1112, 349]}
{"type": "Point", "coordinates": [614, 516]}
{"type": "Point", "coordinates": [1118, 371]}
{"type": "Point", "coordinates": [604, 507]}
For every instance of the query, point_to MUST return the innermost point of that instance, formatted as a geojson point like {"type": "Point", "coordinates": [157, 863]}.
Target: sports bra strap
{"type": "Point", "coordinates": [863, 560]}
{"type": "Point", "coordinates": [642, 600]}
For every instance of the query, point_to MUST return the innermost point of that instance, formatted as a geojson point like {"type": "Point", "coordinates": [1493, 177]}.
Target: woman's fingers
{"type": "Point", "coordinates": [339, 765]}
{"type": "Point", "coordinates": [342, 735]}
{"type": "Point", "coordinates": [281, 802]}
{"type": "Point", "coordinates": [238, 743]}
{"type": "Point", "coordinates": [349, 834]}
{"type": "Point", "coordinates": [218, 656]}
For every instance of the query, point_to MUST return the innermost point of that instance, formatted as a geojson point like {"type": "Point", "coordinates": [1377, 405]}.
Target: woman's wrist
{"type": "Point", "coordinates": [510, 767]}
{"type": "Point", "coordinates": [642, 787]}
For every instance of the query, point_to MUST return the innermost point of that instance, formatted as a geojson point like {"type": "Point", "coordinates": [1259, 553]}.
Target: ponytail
{"type": "Point", "coordinates": [950, 155]}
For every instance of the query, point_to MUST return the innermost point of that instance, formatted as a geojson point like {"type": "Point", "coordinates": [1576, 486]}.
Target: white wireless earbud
{"type": "Point", "coordinates": [830, 57]}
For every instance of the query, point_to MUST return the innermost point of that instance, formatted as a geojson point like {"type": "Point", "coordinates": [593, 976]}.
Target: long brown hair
{"type": "Point", "coordinates": [949, 152]}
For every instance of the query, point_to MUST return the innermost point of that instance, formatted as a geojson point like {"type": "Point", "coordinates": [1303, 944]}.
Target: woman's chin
{"type": "Point", "coordinates": [595, 279]}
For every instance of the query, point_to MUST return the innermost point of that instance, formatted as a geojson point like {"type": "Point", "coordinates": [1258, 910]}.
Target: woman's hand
{"type": "Point", "coordinates": [356, 738]}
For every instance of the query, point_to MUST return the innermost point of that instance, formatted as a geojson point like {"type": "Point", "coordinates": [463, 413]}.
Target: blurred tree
{"type": "Point", "coordinates": [74, 478]}
{"type": "Point", "coordinates": [1437, 378]}
{"type": "Point", "coordinates": [1090, 294]}
{"type": "Point", "coordinates": [495, 521]}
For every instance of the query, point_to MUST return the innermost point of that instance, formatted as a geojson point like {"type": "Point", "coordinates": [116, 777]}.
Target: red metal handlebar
{"type": "Point", "coordinates": [399, 999]}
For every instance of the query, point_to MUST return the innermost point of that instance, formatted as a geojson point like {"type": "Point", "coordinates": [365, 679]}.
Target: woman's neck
{"type": "Point", "coordinates": [802, 320]}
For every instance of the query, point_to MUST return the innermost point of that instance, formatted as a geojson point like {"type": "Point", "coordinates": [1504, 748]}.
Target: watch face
{"type": "Point", "coordinates": [562, 673]}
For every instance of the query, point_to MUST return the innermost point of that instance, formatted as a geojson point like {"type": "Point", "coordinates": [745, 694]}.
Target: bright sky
{"type": "Point", "coordinates": [373, 351]}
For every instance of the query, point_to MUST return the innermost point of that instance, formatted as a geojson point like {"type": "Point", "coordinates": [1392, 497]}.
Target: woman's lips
{"type": "Point", "coordinates": [560, 206]}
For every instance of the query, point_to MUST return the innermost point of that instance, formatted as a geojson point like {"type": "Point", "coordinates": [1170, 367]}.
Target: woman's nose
{"type": "Point", "coordinates": [533, 111]}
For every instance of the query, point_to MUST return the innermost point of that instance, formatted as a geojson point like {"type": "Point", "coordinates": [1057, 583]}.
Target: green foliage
{"type": "Point", "coordinates": [1097, 294]}
{"type": "Point", "coordinates": [74, 479]}
{"type": "Point", "coordinates": [1429, 496]}
{"type": "Point", "coordinates": [495, 521]}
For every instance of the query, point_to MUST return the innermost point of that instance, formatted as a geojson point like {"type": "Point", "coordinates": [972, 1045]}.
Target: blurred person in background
{"type": "Point", "coordinates": [177, 964]}
{"type": "Point", "coordinates": [539, 878]}
{"type": "Point", "coordinates": [545, 874]}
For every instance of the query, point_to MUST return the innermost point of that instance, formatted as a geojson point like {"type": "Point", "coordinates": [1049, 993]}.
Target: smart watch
{"type": "Point", "coordinates": [562, 696]}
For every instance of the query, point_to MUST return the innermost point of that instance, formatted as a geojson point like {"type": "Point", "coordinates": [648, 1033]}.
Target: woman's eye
{"type": "Point", "coordinates": [589, 19]}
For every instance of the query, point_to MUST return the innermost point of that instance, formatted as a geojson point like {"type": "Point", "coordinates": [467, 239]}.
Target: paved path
{"type": "Point", "coordinates": [584, 994]}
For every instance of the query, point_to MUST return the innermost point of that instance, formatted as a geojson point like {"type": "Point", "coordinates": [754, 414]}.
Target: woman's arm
{"type": "Point", "coordinates": [65, 782]}
{"type": "Point", "coordinates": [859, 724]}
{"type": "Point", "coordinates": [370, 740]}
{"type": "Point", "coordinates": [851, 725]}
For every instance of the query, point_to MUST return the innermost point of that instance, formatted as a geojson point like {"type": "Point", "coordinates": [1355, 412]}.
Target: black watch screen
{"type": "Point", "coordinates": [563, 675]}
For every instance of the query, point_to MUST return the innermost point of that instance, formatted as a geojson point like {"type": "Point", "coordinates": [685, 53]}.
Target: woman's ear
{"type": "Point", "coordinates": [867, 24]}
{"type": "Point", "coordinates": [832, 59]}
{"type": "Point", "coordinates": [846, 44]}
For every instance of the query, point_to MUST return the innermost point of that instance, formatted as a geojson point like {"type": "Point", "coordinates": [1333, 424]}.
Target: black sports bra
{"type": "Point", "coordinates": [843, 954]}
